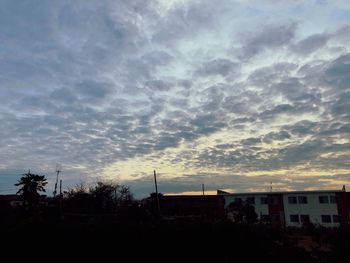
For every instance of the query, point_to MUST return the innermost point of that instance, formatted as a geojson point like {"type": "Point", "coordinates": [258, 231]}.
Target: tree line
{"type": "Point", "coordinates": [99, 198]}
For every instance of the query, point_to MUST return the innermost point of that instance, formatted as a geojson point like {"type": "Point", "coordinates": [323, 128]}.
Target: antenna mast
{"type": "Point", "coordinates": [58, 170]}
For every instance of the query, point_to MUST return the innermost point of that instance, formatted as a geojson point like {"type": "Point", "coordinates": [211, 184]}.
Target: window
{"type": "Point", "coordinates": [250, 200]}
{"type": "Point", "coordinates": [302, 199]}
{"type": "Point", "coordinates": [323, 199]}
{"type": "Point", "coordinates": [294, 218]}
{"type": "Point", "coordinates": [335, 219]}
{"type": "Point", "coordinates": [333, 199]}
{"type": "Point", "coordinates": [326, 219]}
{"type": "Point", "coordinates": [305, 219]}
{"type": "Point", "coordinates": [263, 200]}
{"type": "Point", "coordinates": [292, 199]}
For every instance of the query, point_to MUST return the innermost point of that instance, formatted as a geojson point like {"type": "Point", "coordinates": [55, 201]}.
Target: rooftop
{"type": "Point", "coordinates": [221, 192]}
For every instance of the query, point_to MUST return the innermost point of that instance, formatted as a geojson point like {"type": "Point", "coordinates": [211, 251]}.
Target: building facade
{"type": "Point", "coordinates": [328, 208]}
{"type": "Point", "coordinates": [192, 205]}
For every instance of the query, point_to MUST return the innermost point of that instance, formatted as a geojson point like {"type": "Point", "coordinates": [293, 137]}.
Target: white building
{"type": "Point", "coordinates": [326, 208]}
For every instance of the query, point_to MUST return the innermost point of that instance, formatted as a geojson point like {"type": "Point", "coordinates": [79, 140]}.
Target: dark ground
{"type": "Point", "coordinates": [181, 240]}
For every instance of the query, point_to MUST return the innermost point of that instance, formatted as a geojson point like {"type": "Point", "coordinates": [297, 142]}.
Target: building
{"type": "Point", "coordinates": [328, 208]}
{"type": "Point", "coordinates": [211, 206]}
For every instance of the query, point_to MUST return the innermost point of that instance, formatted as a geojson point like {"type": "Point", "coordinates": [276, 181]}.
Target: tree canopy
{"type": "Point", "coordinates": [31, 185]}
{"type": "Point", "coordinates": [100, 197]}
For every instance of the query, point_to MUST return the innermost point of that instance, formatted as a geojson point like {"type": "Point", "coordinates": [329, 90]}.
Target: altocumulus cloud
{"type": "Point", "coordinates": [192, 88]}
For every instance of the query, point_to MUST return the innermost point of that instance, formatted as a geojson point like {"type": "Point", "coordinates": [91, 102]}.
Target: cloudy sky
{"type": "Point", "coordinates": [234, 94]}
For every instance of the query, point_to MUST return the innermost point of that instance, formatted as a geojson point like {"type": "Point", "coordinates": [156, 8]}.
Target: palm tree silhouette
{"type": "Point", "coordinates": [31, 185]}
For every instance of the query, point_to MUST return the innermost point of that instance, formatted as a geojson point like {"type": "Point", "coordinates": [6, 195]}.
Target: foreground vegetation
{"type": "Point", "coordinates": [181, 240]}
{"type": "Point", "coordinates": [105, 222]}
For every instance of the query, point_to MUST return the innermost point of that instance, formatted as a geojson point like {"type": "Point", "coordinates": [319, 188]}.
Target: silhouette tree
{"type": "Point", "coordinates": [124, 195]}
{"type": "Point", "coordinates": [80, 188]}
{"type": "Point", "coordinates": [31, 184]}
{"type": "Point", "coordinates": [104, 197]}
{"type": "Point", "coordinates": [249, 214]}
{"type": "Point", "coordinates": [242, 213]}
{"type": "Point", "coordinates": [78, 199]}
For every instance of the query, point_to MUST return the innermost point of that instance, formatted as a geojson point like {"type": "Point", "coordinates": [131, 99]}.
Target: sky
{"type": "Point", "coordinates": [233, 94]}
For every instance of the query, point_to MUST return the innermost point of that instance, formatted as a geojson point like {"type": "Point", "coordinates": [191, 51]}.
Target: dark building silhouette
{"type": "Point", "coordinates": [211, 206]}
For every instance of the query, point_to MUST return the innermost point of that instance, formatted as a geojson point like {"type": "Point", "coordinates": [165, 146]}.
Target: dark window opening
{"type": "Point", "coordinates": [305, 219]}
{"type": "Point", "coordinates": [323, 199]}
{"type": "Point", "coordinates": [326, 219]}
{"type": "Point", "coordinates": [302, 199]}
{"type": "Point", "coordinates": [292, 199]}
{"type": "Point", "coordinates": [294, 218]}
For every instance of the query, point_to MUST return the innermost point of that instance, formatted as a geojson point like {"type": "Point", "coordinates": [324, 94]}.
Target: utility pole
{"type": "Point", "coordinates": [60, 200]}
{"type": "Point", "coordinates": [58, 170]}
{"type": "Point", "coordinates": [155, 183]}
{"type": "Point", "coordinates": [203, 188]}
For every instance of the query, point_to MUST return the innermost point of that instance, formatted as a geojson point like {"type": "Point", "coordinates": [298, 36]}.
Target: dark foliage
{"type": "Point", "coordinates": [242, 213]}
{"type": "Point", "coordinates": [175, 240]}
{"type": "Point", "coordinates": [100, 198]}
{"type": "Point", "coordinates": [31, 185]}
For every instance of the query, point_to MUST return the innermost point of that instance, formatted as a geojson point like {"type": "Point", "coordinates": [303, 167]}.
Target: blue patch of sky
{"type": "Point", "coordinates": [321, 2]}
{"type": "Point", "coordinates": [8, 179]}
{"type": "Point", "coordinates": [252, 12]}
{"type": "Point", "coordinates": [340, 15]}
